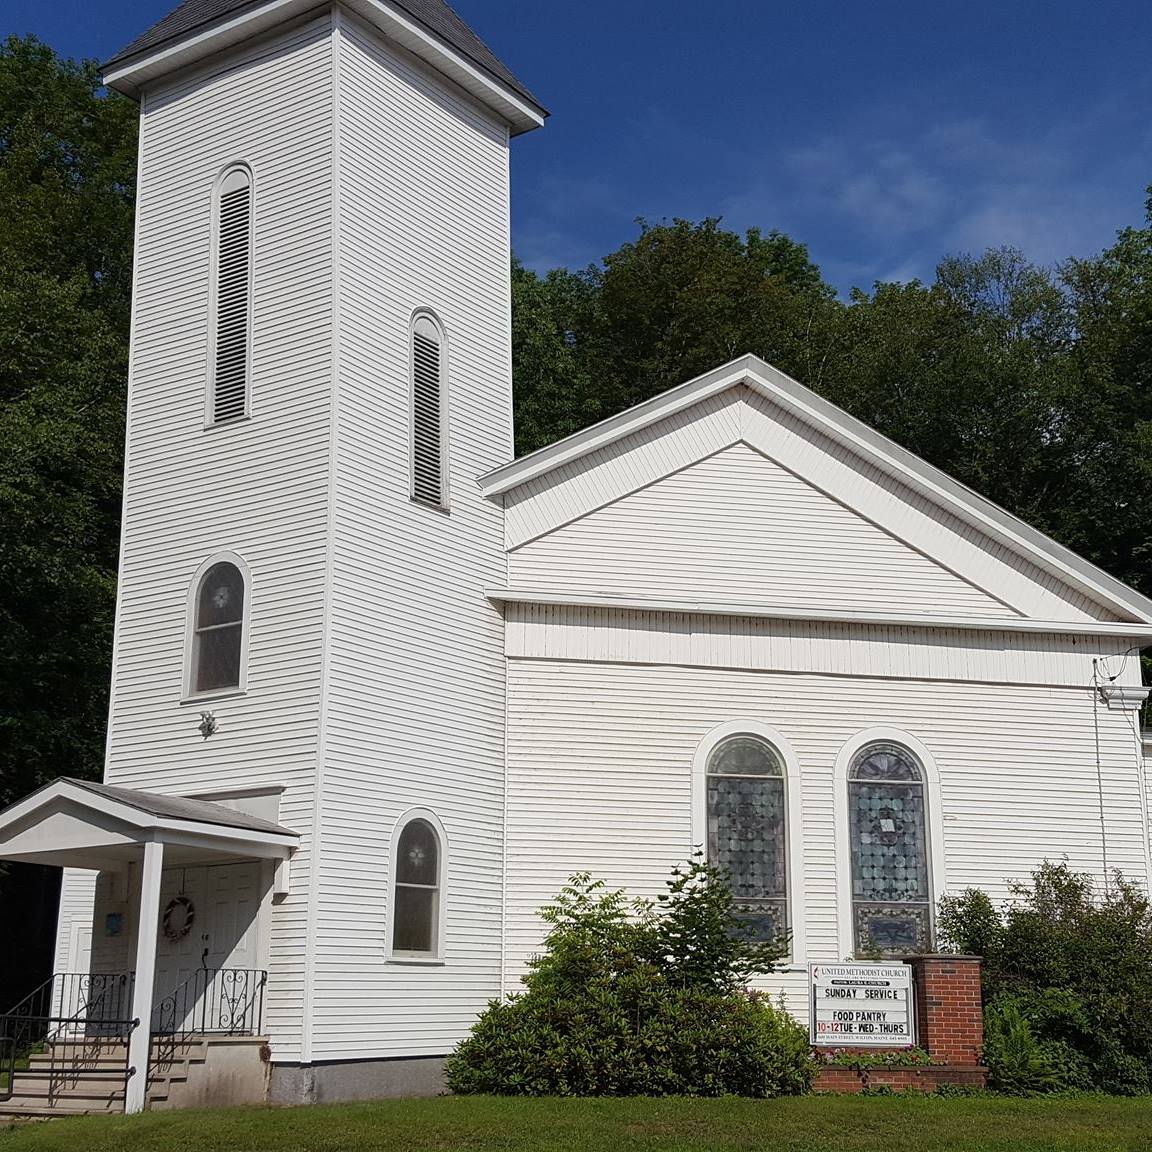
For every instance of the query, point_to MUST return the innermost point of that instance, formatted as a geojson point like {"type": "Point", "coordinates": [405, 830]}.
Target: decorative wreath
{"type": "Point", "coordinates": [179, 916]}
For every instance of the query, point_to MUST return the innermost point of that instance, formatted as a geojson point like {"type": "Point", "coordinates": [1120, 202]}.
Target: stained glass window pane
{"type": "Point", "coordinates": [745, 756]}
{"type": "Point", "coordinates": [747, 832]}
{"type": "Point", "coordinates": [218, 658]}
{"type": "Point", "coordinates": [417, 854]}
{"type": "Point", "coordinates": [221, 598]}
{"type": "Point", "coordinates": [414, 919]}
{"type": "Point", "coordinates": [889, 841]}
{"type": "Point", "coordinates": [885, 762]}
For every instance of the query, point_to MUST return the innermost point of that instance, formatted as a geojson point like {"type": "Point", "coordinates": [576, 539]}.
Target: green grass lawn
{"type": "Point", "coordinates": [811, 1124]}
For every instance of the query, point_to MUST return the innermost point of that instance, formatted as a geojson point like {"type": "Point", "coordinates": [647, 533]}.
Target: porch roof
{"type": "Point", "coordinates": [79, 824]}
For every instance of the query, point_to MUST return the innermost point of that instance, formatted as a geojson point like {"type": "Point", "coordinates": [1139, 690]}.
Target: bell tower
{"type": "Point", "coordinates": [320, 371]}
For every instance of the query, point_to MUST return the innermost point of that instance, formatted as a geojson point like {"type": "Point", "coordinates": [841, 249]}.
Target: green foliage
{"type": "Point", "coordinates": [1018, 1064]}
{"type": "Point", "coordinates": [67, 174]}
{"type": "Point", "coordinates": [1074, 965]}
{"type": "Point", "coordinates": [909, 1057]}
{"type": "Point", "coordinates": [620, 1003]}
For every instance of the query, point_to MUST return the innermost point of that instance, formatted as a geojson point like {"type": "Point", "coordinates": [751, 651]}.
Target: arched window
{"type": "Point", "coordinates": [428, 408]}
{"type": "Point", "coordinates": [888, 833]}
{"type": "Point", "coordinates": [218, 629]}
{"type": "Point", "coordinates": [232, 296]}
{"type": "Point", "coordinates": [419, 863]}
{"type": "Point", "coordinates": [747, 833]}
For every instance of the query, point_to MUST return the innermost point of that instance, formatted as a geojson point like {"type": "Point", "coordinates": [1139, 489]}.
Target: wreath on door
{"type": "Point", "coordinates": [179, 916]}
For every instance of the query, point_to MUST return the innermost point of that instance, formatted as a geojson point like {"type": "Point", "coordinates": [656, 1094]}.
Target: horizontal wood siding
{"type": "Point", "coordinates": [624, 636]}
{"type": "Point", "coordinates": [737, 526]}
{"type": "Point", "coordinates": [256, 487]}
{"type": "Point", "coordinates": [600, 759]}
{"type": "Point", "coordinates": [808, 458]}
{"type": "Point", "coordinates": [77, 901]}
{"type": "Point", "coordinates": [415, 712]}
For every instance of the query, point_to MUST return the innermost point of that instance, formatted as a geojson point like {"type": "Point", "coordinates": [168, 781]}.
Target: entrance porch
{"type": "Point", "coordinates": [200, 877]}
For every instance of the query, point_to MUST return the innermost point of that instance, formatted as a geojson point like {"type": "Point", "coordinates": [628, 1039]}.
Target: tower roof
{"type": "Point", "coordinates": [194, 16]}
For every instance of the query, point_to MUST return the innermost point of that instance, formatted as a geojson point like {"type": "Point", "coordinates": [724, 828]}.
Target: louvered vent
{"type": "Point", "coordinates": [233, 286]}
{"type": "Point", "coordinates": [427, 448]}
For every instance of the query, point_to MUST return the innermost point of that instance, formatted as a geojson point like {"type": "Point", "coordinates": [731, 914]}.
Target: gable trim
{"type": "Point", "coordinates": [131, 75]}
{"type": "Point", "coordinates": [866, 442]}
{"type": "Point", "coordinates": [501, 596]}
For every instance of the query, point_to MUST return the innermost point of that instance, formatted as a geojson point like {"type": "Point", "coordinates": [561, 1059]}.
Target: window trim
{"type": "Point", "coordinates": [210, 423]}
{"type": "Point", "coordinates": [190, 695]}
{"type": "Point", "coordinates": [437, 957]}
{"type": "Point", "coordinates": [794, 838]}
{"type": "Point", "coordinates": [934, 825]}
{"type": "Point", "coordinates": [445, 502]}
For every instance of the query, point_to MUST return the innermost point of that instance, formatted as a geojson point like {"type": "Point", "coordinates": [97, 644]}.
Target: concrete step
{"type": "Point", "coordinates": [36, 1075]}
{"type": "Point", "coordinates": [17, 1108]}
{"type": "Point", "coordinates": [84, 1096]}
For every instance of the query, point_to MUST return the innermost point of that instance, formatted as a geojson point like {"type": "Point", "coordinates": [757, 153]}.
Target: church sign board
{"type": "Point", "coordinates": [861, 1005]}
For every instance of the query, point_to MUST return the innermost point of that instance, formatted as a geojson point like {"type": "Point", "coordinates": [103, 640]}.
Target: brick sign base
{"type": "Point", "coordinates": [949, 1027]}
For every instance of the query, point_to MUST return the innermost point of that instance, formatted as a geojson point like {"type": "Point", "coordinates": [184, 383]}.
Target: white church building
{"type": "Point", "coordinates": [378, 688]}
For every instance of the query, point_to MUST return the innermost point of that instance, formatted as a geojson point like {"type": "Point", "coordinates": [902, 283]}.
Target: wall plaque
{"type": "Point", "coordinates": [861, 1005]}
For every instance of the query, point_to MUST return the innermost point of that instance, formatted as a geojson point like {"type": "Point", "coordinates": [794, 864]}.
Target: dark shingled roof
{"type": "Point", "coordinates": [178, 808]}
{"type": "Point", "coordinates": [434, 15]}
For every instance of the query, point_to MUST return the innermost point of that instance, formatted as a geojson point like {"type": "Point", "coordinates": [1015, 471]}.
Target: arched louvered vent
{"type": "Point", "coordinates": [233, 296]}
{"type": "Point", "coordinates": [427, 412]}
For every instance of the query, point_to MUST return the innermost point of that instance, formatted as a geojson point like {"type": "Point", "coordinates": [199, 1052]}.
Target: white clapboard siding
{"type": "Point", "coordinates": [600, 760]}
{"type": "Point", "coordinates": [77, 902]}
{"type": "Point", "coordinates": [559, 632]}
{"type": "Point", "coordinates": [255, 487]}
{"type": "Point", "coordinates": [737, 526]}
{"type": "Point", "coordinates": [657, 453]}
{"type": "Point", "coordinates": [415, 697]}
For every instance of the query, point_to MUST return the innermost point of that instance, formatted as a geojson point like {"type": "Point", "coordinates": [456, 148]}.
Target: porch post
{"type": "Point", "coordinates": [136, 1092]}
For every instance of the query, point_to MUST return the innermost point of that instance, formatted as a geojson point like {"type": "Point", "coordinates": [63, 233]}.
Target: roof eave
{"type": "Point", "coordinates": [131, 75]}
{"type": "Point", "coordinates": [963, 501]}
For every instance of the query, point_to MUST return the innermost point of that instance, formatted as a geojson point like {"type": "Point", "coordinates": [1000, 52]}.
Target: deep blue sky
{"type": "Point", "coordinates": [883, 135]}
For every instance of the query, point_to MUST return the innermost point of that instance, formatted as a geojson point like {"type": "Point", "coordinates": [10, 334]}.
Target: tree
{"type": "Point", "coordinates": [679, 300]}
{"type": "Point", "coordinates": [67, 173]}
{"type": "Point", "coordinates": [67, 160]}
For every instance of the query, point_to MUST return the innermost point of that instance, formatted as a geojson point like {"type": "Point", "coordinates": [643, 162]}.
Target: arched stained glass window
{"type": "Point", "coordinates": [218, 629]}
{"type": "Point", "coordinates": [888, 828]}
{"type": "Point", "coordinates": [747, 829]}
{"type": "Point", "coordinates": [416, 913]}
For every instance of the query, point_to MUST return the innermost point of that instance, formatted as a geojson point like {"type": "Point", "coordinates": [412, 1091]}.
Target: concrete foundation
{"type": "Point", "coordinates": [356, 1080]}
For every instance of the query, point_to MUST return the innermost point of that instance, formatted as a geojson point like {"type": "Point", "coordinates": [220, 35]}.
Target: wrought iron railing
{"type": "Point", "coordinates": [211, 1002]}
{"type": "Point", "coordinates": [74, 1023]}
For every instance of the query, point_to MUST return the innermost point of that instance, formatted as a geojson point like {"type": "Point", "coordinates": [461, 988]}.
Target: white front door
{"type": "Point", "coordinates": [209, 920]}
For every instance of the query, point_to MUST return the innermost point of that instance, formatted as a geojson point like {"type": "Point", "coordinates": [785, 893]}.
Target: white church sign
{"type": "Point", "coordinates": [861, 1005]}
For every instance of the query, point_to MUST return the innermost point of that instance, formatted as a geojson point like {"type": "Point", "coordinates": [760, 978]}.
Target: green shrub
{"type": "Point", "coordinates": [639, 999]}
{"type": "Point", "coordinates": [1018, 1063]}
{"type": "Point", "coordinates": [1075, 966]}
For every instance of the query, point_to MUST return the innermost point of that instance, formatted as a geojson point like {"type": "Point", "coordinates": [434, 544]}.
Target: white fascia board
{"type": "Point", "coordinates": [130, 78]}
{"type": "Point", "coordinates": [149, 827]}
{"type": "Point", "coordinates": [63, 790]}
{"type": "Point", "coordinates": [834, 422]}
{"type": "Point", "coordinates": [218, 838]}
{"type": "Point", "coordinates": [945, 490]}
{"type": "Point", "coordinates": [608, 431]}
{"type": "Point", "coordinates": [521, 114]}
{"type": "Point", "coordinates": [824, 616]}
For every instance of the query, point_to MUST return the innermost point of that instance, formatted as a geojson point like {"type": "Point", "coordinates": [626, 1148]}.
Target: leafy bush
{"type": "Point", "coordinates": [639, 999]}
{"type": "Point", "coordinates": [1017, 1062]}
{"type": "Point", "coordinates": [1074, 966]}
{"type": "Point", "coordinates": [909, 1057]}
